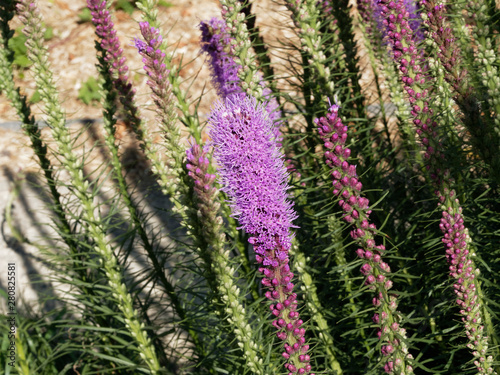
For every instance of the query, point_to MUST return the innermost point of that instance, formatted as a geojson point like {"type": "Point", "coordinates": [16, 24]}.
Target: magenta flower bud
{"type": "Point", "coordinates": [387, 349]}
{"type": "Point", "coordinates": [366, 269]}
{"type": "Point", "coordinates": [370, 280]}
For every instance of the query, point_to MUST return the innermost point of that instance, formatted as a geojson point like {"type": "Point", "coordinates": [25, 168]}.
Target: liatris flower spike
{"type": "Point", "coordinates": [105, 30]}
{"type": "Point", "coordinates": [356, 211]}
{"type": "Point", "coordinates": [461, 260]}
{"type": "Point", "coordinates": [153, 59]}
{"type": "Point", "coordinates": [218, 44]}
{"type": "Point", "coordinates": [215, 41]}
{"type": "Point", "coordinates": [254, 176]}
{"type": "Point", "coordinates": [197, 165]}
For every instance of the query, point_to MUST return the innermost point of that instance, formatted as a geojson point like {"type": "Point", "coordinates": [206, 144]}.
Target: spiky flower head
{"type": "Point", "coordinates": [254, 176]}
{"type": "Point", "coordinates": [110, 43]}
{"type": "Point", "coordinates": [253, 172]}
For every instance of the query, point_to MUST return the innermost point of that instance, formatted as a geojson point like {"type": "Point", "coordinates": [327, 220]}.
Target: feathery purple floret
{"type": "Point", "coordinates": [254, 176]}
{"type": "Point", "coordinates": [253, 172]}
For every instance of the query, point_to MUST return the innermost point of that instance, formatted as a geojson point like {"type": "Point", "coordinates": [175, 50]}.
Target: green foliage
{"type": "Point", "coordinates": [49, 33]}
{"type": "Point", "coordinates": [85, 15]}
{"type": "Point", "coordinates": [17, 44]}
{"type": "Point", "coordinates": [89, 92]}
{"type": "Point", "coordinates": [165, 4]}
{"type": "Point", "coordinates": [128, 6]}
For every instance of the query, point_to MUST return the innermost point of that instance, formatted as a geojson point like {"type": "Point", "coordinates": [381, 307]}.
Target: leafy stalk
{"type": "Point", "coordinates": [37, 52]}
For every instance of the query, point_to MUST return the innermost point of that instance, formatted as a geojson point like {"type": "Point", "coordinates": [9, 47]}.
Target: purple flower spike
{"type": "Point", "coordinates": [449, 52]}
{"type": "Point", "coordinates": [197, 165]}
{"type": "Point", "coordinates": [254, 176]}
{"type": "Point", "coordinates": [109, 41]}
{"type": "Point", "coordinates": [356, 211]}
{"type": "Point", "coordinates": [461, 262]}
{"type": "Point", "coordinates": [371, 12]}
{"type": "Point", "coordinates": [154, 66]}
{"type": "Point", "coordinates": [216, 42]}
{"type": "Point", "coordinates": [113, 55]}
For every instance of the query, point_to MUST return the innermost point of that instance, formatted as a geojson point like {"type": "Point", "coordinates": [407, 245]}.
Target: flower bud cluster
{"type": "Point", "coordinates": [400, 34]}
{"type": "Point", "coordinates": [448, 53]}
{"type": "Point", "coordinates": [154, 65]}
{"type": "Point", "coordinates": [109, 40]}
{"type": "Point", "coordinates": [372, 20]}
{"type": "Point", "coordinates": [197, 165]}
{"type": "Point", "coordinates": [347, 187]}
{"type": "Point", "coordinates": [371, 12]}
{"type": "Point", "coordinates": [415, 20]}
{"type": "Point", "coordinates": [463, 270]}
{"type": "Point", "coordinates": [486, 57]}
{"type": "Point", "coordinates": [254, 176]}
{"type": "Point", "coordinates": [105, 30]}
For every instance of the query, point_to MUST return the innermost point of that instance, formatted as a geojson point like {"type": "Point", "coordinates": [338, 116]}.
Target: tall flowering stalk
{"type": "Point", "coordinates": [149, 14]}
{"type": "Point", "coordinates": [217, 257]}
{"type": "Point", "coordinates": [216, 42]}
{"type": "Point", "coordinates": [356, 211]}
{"type": "Point", "coordinates": [456, 237]}
{"type": "Point", "coordinates": [486, 59]}
{"type": "Point", "coordinates": [169, 173]}
{"type": "Point", "coordinates": [458, 77]}
{"type": "Point", "coordinates": [154, 65]}
{"type": "Point", "coordinates": [374, 36]}
{"type": "Point", "coordinates": [37, 52]}
{"type": "Point", "coordinates": [254, 176]}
